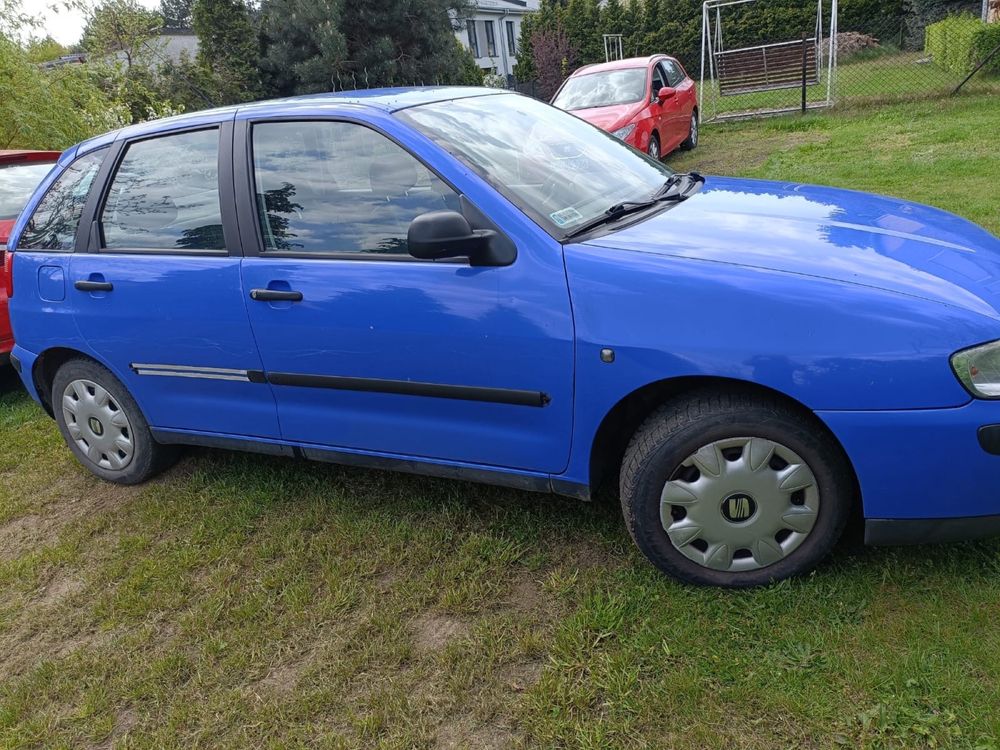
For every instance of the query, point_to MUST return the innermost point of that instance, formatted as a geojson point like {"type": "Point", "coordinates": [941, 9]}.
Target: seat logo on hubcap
{"type": "Point", "coordinates": [739, 507]}
{"type": "Point", "coordinates": [95, 426]}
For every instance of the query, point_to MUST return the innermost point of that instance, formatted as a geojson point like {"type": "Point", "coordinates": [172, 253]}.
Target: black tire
{"type": "Point", "coordinates": [654, 139]}
{"type": "Point", "coordinates": [692, 139]}
{"type": "Point", "coordinates": [147, 457]}
{"type": "Point", "coordinates": [680, 428]}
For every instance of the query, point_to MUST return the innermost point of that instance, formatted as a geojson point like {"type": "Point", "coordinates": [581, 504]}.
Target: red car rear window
{"type": "Point", "coordinates": [17, 183]}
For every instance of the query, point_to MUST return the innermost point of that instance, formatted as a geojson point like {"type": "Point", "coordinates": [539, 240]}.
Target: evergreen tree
{"type": "Point", "coordinates": [321, 45]}
{"type": "Point", "coordinates": [177, 14]}
{"type": "Point", "coordinates": [227, 48]}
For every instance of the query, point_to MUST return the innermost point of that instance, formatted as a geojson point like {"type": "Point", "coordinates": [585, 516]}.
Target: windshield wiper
{"type": "Point", "coordinates": [618, 210]}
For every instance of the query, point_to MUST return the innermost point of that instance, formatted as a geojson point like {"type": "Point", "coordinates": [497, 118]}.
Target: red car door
{"type": "Point", "coordinates": [662, 111]}
{"type": "Point", "coordinates": [684, 99]}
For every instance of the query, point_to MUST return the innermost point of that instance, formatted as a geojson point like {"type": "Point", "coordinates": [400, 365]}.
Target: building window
{"type": "Point", "coordinates": [491, 40]}
{"type": "Point", "coordinates": [473, 39]}
{"type": "Point", "coordinates": [511, 38]}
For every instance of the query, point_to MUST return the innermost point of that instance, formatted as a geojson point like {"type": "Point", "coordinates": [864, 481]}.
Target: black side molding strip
{"type": "Point", "coordinates": [411, 388]}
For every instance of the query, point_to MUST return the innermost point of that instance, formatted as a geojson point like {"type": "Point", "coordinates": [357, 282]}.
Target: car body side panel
{"type": "Point", "coordinates": [828, 345]}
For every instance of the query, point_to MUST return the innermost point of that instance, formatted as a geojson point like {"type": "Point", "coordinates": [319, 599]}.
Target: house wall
{"type": "Point", "coordinates": [505, 18]}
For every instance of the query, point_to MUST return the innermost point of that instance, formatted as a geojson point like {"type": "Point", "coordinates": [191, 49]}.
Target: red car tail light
{"type": "Point", "coordinates": [8, 271]}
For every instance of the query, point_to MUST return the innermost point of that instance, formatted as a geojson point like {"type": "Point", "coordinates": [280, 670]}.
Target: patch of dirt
{"type": "Point", "coordinates": [284, 677]}
{"type": "Point", "coordinates": [526, 595]}
{"type": "Point", "coordinates": [432, 632]}
{"type": "Point", "coordinates": [125, 722]}
{"type": "Point", "coordinates": [68, 499]}
{"type": "Point", "coordinates": [62, 586]}
{"type": "Point", "coordinates": [461, 733]}
{"type": "Point", "coordinates": [520, 677]}
{"type": "Point", "coordinates": [753, 152]}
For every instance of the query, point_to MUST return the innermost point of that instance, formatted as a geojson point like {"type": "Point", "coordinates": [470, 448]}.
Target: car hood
{"type": "Point", "coordinates": [609, 118]}
{"type": "Point", "coordinates": [843, 235]}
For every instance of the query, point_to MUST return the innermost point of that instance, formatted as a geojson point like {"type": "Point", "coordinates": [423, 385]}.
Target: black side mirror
{"type": "Point", "coordinates": [447, 234]}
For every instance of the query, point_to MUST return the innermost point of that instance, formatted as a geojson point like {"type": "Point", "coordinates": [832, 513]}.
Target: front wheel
{"type": "Point", "coordinates": [692, 139]}
{"type": "Point", "coordinates": [734, 490]}
{"type": "Point", "coordinates": [653, 149]}
{"type": "Point", "coordinates": [103, 426]}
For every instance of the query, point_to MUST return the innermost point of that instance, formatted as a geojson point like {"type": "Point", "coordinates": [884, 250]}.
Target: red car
{"type": "Point", "coordinates": [20, 173]}
{"type": "Point", "coordinates": [649, 102]}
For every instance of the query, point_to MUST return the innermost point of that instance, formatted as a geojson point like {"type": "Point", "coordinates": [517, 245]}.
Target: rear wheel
{"type": "Point", "coordinates": [653, 149]}
{"type": "Point", "coordinates": [692, 139]}
{"type": "Point", "coordinates": [734, 489]}
{"type": "Point", "coordinates": [102, 425]}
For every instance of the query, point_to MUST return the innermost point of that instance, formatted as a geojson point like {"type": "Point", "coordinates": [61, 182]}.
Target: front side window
{"type": "Point", "coordinates": [338, 187]}
{"type": "Point", "coordinates": [491, 41]}
{"type": "Point", "coordinates": [473, 39]}
{"type": "Point", "coordinates": [556, 168]}
{"type": "Point", "coordinates": [602, 89]}
{"type": "Point", "coordinates": [165, 195]}
{"type": "Point", "coordinates": [659, 80]}
{"type": "Point", "coordinates": [54, 223]}
{"type": "Point", "coordinates": [511, 38]}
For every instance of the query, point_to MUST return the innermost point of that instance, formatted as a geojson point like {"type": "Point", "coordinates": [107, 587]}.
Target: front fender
{"type": "Point", "coordinates": [827, 344]}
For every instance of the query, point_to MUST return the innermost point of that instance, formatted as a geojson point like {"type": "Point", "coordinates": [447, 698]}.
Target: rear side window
{"type": "Point", "coordinates": [17, 183]}
{"type": "Point", "coordinates": [165, 195]}
{"type": "Point", "coordinates": [53, 225]}
{"type": "Point", "coordinates": [339, 187]}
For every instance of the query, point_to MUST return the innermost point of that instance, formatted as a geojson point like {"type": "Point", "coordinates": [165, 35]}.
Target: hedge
{"type": "Point", "coordinates": [961, 42]}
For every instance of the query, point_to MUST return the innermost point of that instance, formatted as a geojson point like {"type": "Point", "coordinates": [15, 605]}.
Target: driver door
{"type": "Point", "coordinates": [370, 350]}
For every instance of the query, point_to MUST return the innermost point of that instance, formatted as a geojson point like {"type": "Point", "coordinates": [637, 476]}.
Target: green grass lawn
{"type": "Point", "coordinates": [242, 601]}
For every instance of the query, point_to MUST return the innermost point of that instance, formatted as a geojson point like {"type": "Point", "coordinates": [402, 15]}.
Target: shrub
{"type": "Point", "coordinates": [961, 42]}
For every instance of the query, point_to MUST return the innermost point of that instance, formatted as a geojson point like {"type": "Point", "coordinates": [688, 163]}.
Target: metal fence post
{"type": "Point", "coordinates": [805, 37]}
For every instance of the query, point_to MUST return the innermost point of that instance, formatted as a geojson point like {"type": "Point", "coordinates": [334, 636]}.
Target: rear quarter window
{"type": "Point", "coordinates": [17, 183]}
{"type": "Point", "coordinates": [53, 224]}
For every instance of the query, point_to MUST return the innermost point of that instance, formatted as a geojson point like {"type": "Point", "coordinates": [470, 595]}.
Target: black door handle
{"type": "Point", "coordinates": [94, 286]}
{"type": "Point", "coordinates": [275, 295]}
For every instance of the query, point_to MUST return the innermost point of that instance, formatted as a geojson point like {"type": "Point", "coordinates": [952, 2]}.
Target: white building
{"type": "Point", "coordinates": [492, 30]}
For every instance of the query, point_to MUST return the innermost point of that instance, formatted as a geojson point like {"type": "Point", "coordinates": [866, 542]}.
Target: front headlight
{"type": "Point", "coordinates": [979, 369]}
{"type": "Point", "coordinates": [625, 132]}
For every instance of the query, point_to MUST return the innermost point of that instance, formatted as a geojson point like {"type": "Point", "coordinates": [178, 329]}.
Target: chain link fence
{"type": "Point", "coordinates": [897, 60]}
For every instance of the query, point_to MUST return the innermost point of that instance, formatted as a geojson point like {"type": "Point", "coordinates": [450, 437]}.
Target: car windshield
{"type": "Point", "coordinates": [602, 89]}
{"type": "Point", "coordinates": [558, 169]}
{"type": "Point", "coordinates": [17, 183]}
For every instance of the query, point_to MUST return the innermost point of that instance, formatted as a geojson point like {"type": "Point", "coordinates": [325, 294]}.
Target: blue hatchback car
{"type": "Point", "coordinates": [473, 284]}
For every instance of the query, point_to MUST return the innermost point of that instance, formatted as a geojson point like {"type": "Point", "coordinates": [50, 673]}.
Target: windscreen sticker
{"type": "Point", "coordinates": [566, 216]}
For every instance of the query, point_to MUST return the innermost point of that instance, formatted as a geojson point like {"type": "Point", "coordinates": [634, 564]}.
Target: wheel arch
{"type": "Point", "coordinates": [44, 370]}
{"type": "Point", "coordinates": [623, 419]}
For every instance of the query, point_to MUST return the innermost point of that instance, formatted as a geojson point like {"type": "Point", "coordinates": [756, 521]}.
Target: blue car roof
{"type": "Point", "coordinates": [385, 100]}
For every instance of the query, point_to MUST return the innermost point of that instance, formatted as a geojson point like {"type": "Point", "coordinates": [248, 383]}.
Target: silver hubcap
{"type": "Point", "coordinates": [694, 130]}
{"type": "Point", "coordinates": [740, 504]}
{"type": "Point", "coordinates": [98, 425]}
{"type": "Point", "coordinates": [654, 148]}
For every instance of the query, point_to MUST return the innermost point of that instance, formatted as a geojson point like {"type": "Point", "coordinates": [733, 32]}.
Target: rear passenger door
{"type": "Point", "coordinates": [157, 294]}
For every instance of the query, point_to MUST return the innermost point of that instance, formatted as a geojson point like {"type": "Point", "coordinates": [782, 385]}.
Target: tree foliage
{"type": "Point", "coordinates": [323, 45]}
{"type": "Point", "coordinates": [177, 14]}
{"type": "Point", "coordinates": [227, 49]}
{"type": "Point", "coordinates": [51, 109]}
{"type": "Point", "coordinates": [122, 29]}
